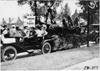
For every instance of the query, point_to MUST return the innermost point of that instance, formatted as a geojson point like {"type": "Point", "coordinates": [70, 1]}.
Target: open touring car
{"type": "Point", "coordinates": [10, 47]}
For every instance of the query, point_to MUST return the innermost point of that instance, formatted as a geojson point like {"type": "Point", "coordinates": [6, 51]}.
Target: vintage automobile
{"type": "Point", "coordinates": [93, 33]}
{"type": "Point", "coordinates": [10, 47]}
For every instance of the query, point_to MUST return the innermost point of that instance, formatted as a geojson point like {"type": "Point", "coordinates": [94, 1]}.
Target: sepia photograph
{"type": "Point", "coordinates": [49, 35]}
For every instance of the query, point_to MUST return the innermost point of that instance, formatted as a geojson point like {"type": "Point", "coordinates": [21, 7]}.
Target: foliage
{"type": "Point", "coordinates": [94, 12]}
{"type": "Point", "coordinates": [33, 6]}
{"type": "Point", "coordinates": [66, 11]}
{"type": "Point", "coordinates": [30, 1]}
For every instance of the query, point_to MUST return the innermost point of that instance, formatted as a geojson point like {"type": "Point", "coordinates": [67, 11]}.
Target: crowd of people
{"type": "Point", "coordinates": [25, 32]}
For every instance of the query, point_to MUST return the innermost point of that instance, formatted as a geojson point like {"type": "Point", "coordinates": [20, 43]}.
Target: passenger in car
{"type": "Point", "coordinates": [43, 29]}
{"type": "Point", "coordinates": [40, 32]}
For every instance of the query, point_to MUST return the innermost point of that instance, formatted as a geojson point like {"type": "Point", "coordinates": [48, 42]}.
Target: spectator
{"type": "Point", "coordinates": [64, 22]}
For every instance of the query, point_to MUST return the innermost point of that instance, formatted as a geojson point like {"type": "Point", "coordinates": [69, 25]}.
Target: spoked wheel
{"type": "Point", "coordinates": [97, 40]}
{"type": "Point", "coordinates": [46, 48]}
{"type": "Point", "coordinates": [78, 45]}
{"type": "Point", "coordinates": [9, 53]}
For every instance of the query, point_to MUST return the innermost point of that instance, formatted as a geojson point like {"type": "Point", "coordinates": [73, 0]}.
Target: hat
{"type": "Point", "coordinates": [44, 26]}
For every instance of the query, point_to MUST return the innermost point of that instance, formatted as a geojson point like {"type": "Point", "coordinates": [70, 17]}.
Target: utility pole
{"type": "Point", "coordinates": [90, 6]}
{"type": "Point", "coordinates": [35, 11]}
{"type": "Point", "coordinates": [88, 28]}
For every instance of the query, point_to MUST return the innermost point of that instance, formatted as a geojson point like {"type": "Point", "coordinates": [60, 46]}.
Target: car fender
{"type": "Point", "coordinates": [18, 48]}
{"type": "Point", "coordinates": [51, 41]}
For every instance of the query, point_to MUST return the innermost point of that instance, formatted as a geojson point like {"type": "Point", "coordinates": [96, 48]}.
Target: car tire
{"type": "Point", "coordinates": [8, 51]}
{"type": "Point", "coordinates": [97, 40]}
{"type": "Point", "coordinates": [46, 48]}
{"type": "Point", "coordinates": [78, 45]}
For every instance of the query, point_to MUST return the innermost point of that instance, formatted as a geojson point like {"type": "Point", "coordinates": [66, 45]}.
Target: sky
{"type": "Point", "coordinates": [71, 4]}
{"type": "Point", "coordinates": [11, 9]}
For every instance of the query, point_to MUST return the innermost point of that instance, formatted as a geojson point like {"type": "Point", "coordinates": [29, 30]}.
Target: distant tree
{"type": "Point", "coordinates": [34, 7]}
{"type": "Point", "coordinates": [75, 15]}
{"type": "Point", "coordinates": [66, 11]}
{"type": "Point", "coordinates": [93, 10]}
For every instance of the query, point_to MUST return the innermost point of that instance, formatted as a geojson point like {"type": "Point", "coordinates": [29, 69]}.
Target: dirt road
{"type": "Point", "coordinates": [93, 64]}
{"type": "Point", "coordinates": [53, 61]}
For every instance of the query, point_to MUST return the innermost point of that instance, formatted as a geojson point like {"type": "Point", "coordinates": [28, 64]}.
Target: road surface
{"type": "Point", "coordinates": [93, 64]}
{"type": "Point", "coordinates": [54, 61]}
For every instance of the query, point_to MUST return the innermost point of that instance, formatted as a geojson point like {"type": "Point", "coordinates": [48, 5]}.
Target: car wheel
{"type": "Point", "coordinates": [46, 48]}
{"type": "Point", "coordinates": [9, 53]}
{"type": "Point", "coordinates": [78, 45]}
{"type": "Point", "coordinates": [97, 40]}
